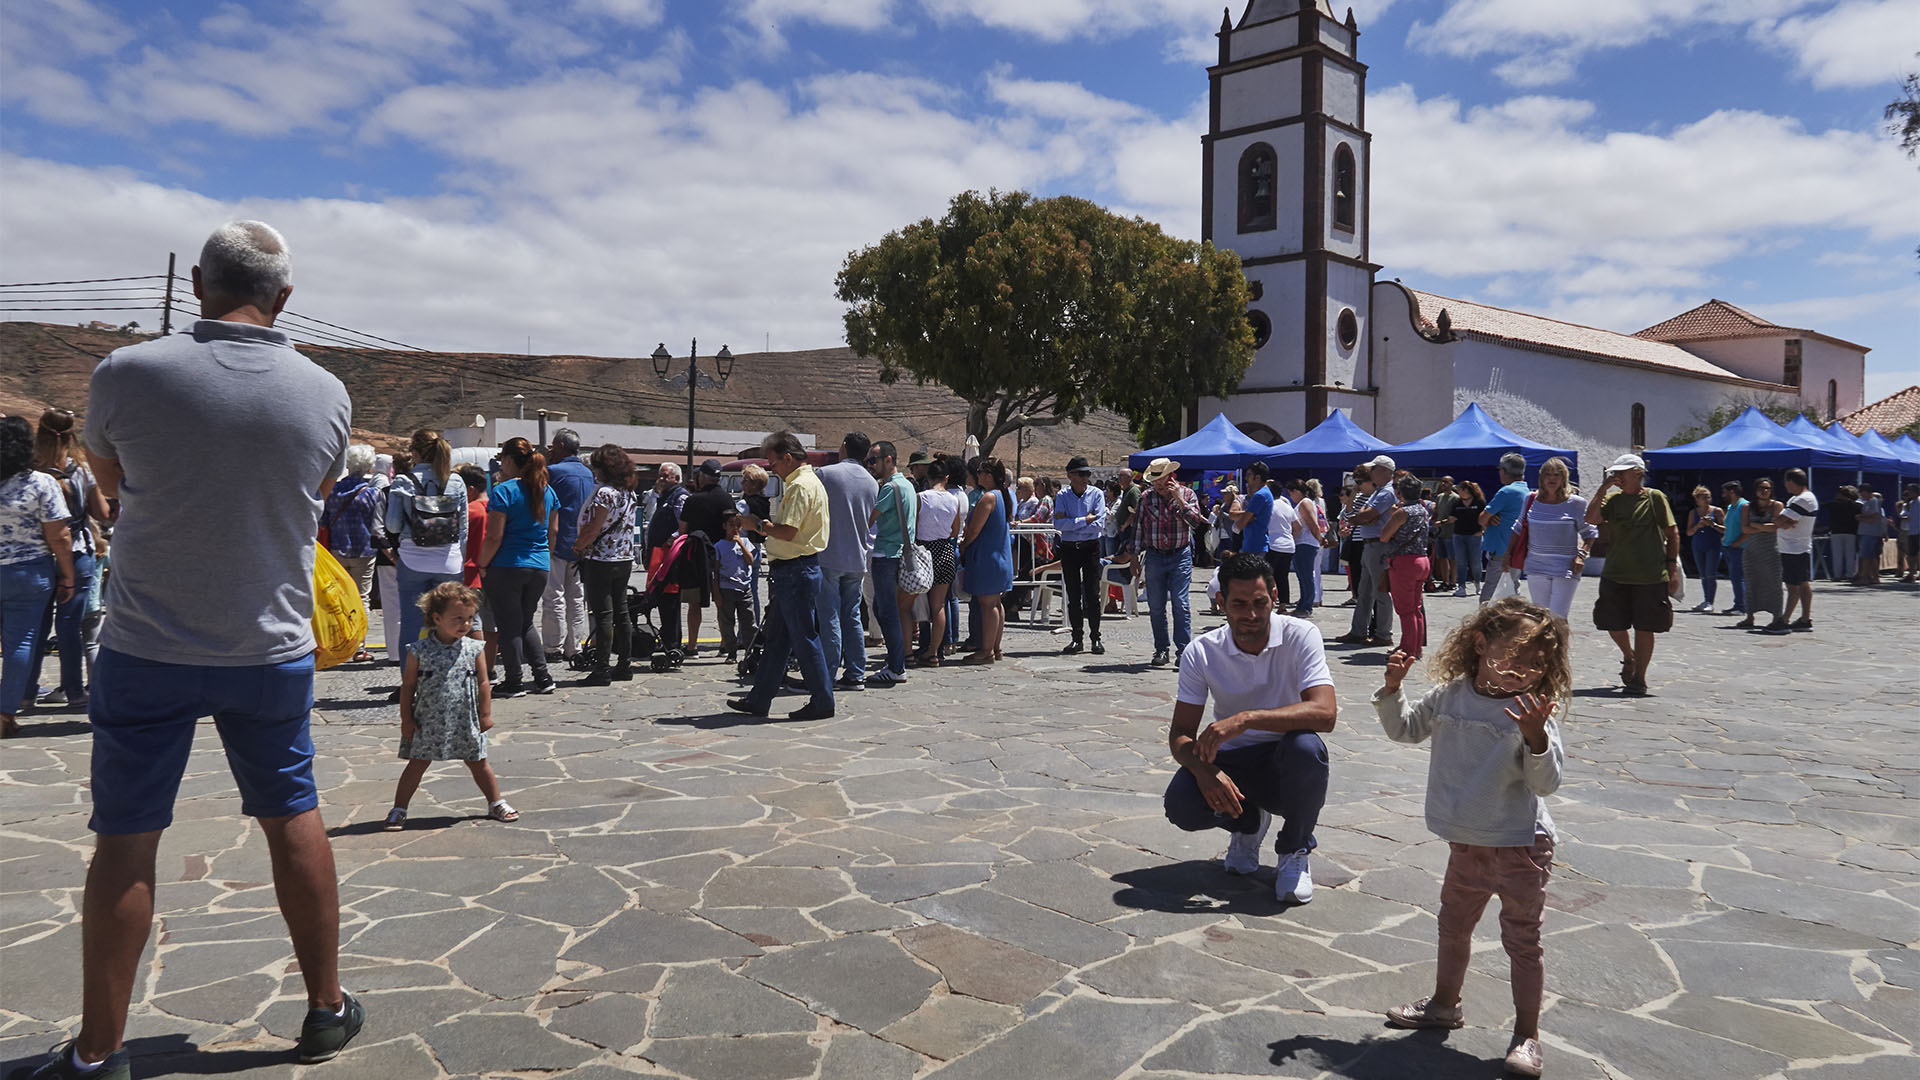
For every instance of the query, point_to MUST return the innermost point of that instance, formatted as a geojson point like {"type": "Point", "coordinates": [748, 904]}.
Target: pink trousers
{"type": "Point", "coordinates": [1518, 876]}
{"type": "Point", "coordinates": [1407, 575]}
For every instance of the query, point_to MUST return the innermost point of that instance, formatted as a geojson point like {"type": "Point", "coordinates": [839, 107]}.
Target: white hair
{"type": "Point", "coordinates": [1513, 465]}
{"type": "Point", "coordinates": [245, 262]}
{"type": "Point", "coordinates": [671, 472]}
{"type": "Point", "coordinates": [360, 459]}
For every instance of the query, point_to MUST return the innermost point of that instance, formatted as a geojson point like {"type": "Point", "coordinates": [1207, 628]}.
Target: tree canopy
{"type": "Point", "coordinates": [1038, 311]}
{"type": "Point", "coordinates": [1778, 409]}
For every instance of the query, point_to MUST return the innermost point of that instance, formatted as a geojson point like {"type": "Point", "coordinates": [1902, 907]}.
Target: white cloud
{"type": "Point", "coordinates": [1853, 44]}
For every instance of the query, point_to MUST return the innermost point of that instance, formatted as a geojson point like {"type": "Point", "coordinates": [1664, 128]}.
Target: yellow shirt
{"type": "Point", "coordinates": [803, 504]}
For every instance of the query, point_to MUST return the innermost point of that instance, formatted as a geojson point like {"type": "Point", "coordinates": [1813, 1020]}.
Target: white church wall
{"type": "Point", "coordinates": [1347, 287]}
{"type": "Point", "coordinates": [1336, 36]}
{"type": "Point", "coordinates": [1288, 147]}
{"type": "Point", "coordinates": [1260, 94]}
{"type": "Point", "coordinates": [1762, 358]}
{"type": "Point", "coordinates": [1284, 301]}
{"type": "Point", "coordinates": [1821, 361]}
{"type": "Point", "coordinates": [1264, 38]}
{"type": "Point", "coordinates": [1414, 376]}
{"type": "Point", "coordinates": [1284, 413]}
{"type": "Point", "coordinates": [1340, 92]}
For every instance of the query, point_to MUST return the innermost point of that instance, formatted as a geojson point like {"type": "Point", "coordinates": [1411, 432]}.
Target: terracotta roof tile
{"type": "Point", "coordinates": [1516, 328]}
{"type": "Point", "coordinates": [1892, 413]}
{"type": "Point", "coordinates": [1711, 320]}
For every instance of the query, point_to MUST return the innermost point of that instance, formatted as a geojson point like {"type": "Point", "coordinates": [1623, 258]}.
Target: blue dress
{"type": "Point", "coordinates": [989, 562]}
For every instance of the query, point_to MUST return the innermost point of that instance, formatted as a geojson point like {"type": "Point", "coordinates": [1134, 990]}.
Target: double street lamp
{"type": "Point", "coordinates": [722, 362]}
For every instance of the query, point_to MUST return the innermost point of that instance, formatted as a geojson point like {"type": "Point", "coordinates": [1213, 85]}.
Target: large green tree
{"type": "Point", "coordinates": [1037, 311]}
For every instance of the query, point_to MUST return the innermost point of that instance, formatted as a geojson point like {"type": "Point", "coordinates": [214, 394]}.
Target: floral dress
{"type": "Point", "coordinates": [615, 542]}
{"type": "Point", "coordinates": [446, 702]}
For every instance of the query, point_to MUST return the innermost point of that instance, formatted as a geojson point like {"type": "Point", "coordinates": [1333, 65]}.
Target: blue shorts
{"type": "Point", "coordinates": [144, 714]}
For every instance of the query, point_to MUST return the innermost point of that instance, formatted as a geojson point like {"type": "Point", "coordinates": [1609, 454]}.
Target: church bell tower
{"type": "Point", "coordinates": [1285, 184]}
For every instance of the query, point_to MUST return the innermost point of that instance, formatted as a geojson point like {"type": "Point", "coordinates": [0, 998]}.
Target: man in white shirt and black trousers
{"type": "Point", "coordinates": [1262, 756]}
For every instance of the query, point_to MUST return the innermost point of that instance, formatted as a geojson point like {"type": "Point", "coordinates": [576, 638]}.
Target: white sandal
{"type": "Point", "coordinates": [500, 811]}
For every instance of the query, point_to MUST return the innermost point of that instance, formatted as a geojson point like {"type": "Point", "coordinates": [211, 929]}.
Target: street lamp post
{"type": "Point", "coordinates": [722, 362]}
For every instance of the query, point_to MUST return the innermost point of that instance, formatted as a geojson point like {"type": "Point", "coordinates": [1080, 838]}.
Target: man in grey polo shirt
{"type": "Point", "coordinates": [1373, 606]}
{"type": "Point", "coordinates": [852, 493]}
{"type": "Point", "coordinates": [174, 650]}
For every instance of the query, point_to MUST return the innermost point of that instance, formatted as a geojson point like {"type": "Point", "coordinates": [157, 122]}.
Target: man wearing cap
{"type": "Point", "coordinates": [917, 464]}
{"type": "Point", "coordinates": [1372, 605]}
{"type": "Point", "coordinates": [851, 495]}
{"type": "Point", "coordinates": [1080, 512]}
{"type": "Point", "coordinates": [1163, 535]}
{"type": "Point", "coordinates": [1643, 566]}
{"type": "Point", "coordinates": [796, 536]}
{"type": "Point", "coordinates": [703, 517]}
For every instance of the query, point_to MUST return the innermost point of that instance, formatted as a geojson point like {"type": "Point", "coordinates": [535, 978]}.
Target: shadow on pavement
{"type": "Point", "coordinates": [414, 824]}
{"type": "Point", "coordinates": [718, 721]}
{"type": "Point", "coordinates": [1197, 885]}
{"type": "Point", "coordinates": [174, 1055]}
{"type": "Point", "coordinates": [30, 728]}
{"type": "Point", "coordinates": [1423, 1054]}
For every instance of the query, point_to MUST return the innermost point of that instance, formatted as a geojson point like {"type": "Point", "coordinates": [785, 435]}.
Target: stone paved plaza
{"type": "Point", "coordinates": [969, 877]}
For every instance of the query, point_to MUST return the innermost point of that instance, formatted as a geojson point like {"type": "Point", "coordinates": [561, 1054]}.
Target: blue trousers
{"type": "Point", "coordinates": [1736, 561]}
{"type": "Point", "coordinates": [1306, 566]}
{"type": "Point", "coordinates": [1466, 558]}
{"type": "Point", "coordinates": [26, 592]}
{"type": "Point", "coordinates": [1170, 577]}
{"type": "Point", "coordinates": [794, 588]}
{"type": "Point", "coordinates": [412, 586]}
{"type": "Point", "coordinates": [1706, 559]}
{"type": "Point", "coordinates": [886, 602]}
{"type": "Point", "coordinates": [843, 637]}
{"type": "Point", "coordinates": [66, 623]}
{"type": "Point", "coordinates": [1287, 778]}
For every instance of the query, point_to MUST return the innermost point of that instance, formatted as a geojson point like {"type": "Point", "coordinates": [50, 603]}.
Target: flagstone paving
{"type": "Point", "coordinates": [969, 877]}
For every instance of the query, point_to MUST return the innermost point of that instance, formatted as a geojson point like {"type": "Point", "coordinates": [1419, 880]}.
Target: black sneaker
{"type": "Point", "coordinates": [1778, 626]}
{"type": "Point", "coordinates": [742, 705]}
{"type": "Point", "coordinates": [325, 1033]}
{"type": "Point", "coordinates": [808, 712]}
{"type": "Point", "coordinates": [850, 684]}
{"type": "Point", "coordinates": [1800, 624]}
{"type": "Point", "coordinates": [59, 1066]}
{"type": "Point", "coordinates": [544, 685]}
{"type": "Point", "coordinates": [504, 690]}
{"type": "Point", "coordinates": [598, 678]}
{"type": "Point", "coordinates": [1162, 657]}
{"type": "Point", "coordinates": [1099, 648]}
{"type": "Point", "coordinates": [623, 673]}
{"type": "Point", "coordinates": [1073, 647]}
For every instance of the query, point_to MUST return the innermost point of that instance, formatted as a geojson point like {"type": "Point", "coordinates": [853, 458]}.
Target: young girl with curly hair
{"type": "Point", "coordinates": [1496, 755]}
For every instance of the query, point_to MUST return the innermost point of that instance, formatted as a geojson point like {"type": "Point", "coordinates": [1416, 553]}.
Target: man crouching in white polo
{"type": "Point", "coordinates": [1262, 756]}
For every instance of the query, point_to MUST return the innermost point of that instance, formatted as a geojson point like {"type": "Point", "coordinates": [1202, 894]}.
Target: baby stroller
{"type": "Point", "coordinates": [645, 638]}
{"type": "Point", "coordinates": [664, 577]}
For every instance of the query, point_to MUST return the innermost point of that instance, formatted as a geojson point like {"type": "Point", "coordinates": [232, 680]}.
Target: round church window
{"type": "Point", "coordinates": [1349, 328]}
{"type": "Point", "coordinates": [1262, 328]}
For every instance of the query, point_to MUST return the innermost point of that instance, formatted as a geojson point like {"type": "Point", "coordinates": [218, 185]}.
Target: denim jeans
{"type": "Point", "coordinates": [412, 585]}
{"type": "Point", "coordinates": [1286, 777]}
{"type": "Point", "coordinates": [1306, 567]}
{"type": "Point", "coordinates": [63, 622]}
{"type": "Point", "coordinates": [843, 638]}
{"type": "Point", "coordinates": [1170, 577]}
{"type": "Point", "coordinates": [1706, 559]}
{"type": "Point", "coordinates": [790, 631]}
{"type": "Point", "coordinates": [886, 609]}
{"type": "Point", "coordinates": [1466, 558]}
{"type": "Point", "coordinates": [26, 592]}
{"type": "Point", "coordinates": [1736, 560]}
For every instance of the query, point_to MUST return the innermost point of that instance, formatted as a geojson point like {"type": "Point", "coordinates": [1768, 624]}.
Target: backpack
{"type": "Point", "coordinates": [68, 477]}
{"type": "Point", "coordinates": [434, 518]}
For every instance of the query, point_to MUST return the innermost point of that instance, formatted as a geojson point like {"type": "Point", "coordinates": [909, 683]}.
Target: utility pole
{"type": "Point", "coordinates": [166, 310]}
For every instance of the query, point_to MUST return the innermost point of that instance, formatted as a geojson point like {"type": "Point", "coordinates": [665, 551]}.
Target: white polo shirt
{"type": "Point", "coordinates": [1213, 666]}
{"type": "Point", "coordinates": [1280, 526]}
{"type": "Point", "coordinates": [1795, 535]}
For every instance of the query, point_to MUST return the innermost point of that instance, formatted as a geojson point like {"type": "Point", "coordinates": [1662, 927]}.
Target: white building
{"type": "Point", "coordinates": [1286, 183]}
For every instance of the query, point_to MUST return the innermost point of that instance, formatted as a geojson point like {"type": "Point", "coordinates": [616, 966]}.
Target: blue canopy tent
{"type": "Point", "coordinates": [1909, 450]}
{"type": "Point", "coordinates": [1752, 443]}
{"type": "Point", "coordinates": [1336, 443]}
{"type": "Point", "coordinates": [1218, 445]}
{"type": "Point", "coordinates": [1887, 448]}
{"type": "Point", "coordinates": [1878, 468]}
{"type": "Point", "coordinates": [1470, 448]}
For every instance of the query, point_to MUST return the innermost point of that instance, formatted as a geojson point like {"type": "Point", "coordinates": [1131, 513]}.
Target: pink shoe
{"type": "Point", "coordinates": [1425, 1014]}
{"type": "Point", "coordinates": [1524, 1058]}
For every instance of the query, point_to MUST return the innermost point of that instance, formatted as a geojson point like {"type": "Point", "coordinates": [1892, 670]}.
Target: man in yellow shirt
{"type": "Point", "coordinates": [795, 537]}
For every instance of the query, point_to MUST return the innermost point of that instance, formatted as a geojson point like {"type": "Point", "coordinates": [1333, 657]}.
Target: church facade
{"type": "Point", "coordinates": [1286, 183]}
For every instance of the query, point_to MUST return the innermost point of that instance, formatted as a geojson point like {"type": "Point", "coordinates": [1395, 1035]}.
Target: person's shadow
{"type": "Point", "coordinates": [723, 720]}
{"type": "Point", "coordinates": [414, 825]}
{"type": "Point", "coordinates": [174, 1055]}
{"type": "Point", "coordinates": [50, 729]}
{"type": "Point", "coordinates": [1196, 886]}
{"type": "Point", "coordinates": [1424, 1054]}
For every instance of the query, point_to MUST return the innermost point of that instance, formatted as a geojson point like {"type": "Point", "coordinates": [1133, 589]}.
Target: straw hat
{"type": "Point", "coordinates": [1159, 468]}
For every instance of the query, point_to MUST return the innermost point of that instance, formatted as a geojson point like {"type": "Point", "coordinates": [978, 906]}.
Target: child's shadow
{"type": "Point", "coordinates": [1424, 1054]}
{"type": "Point", "coordinates": [175, 1055]}
{"type": "Point", "coordinates": [414, 824]}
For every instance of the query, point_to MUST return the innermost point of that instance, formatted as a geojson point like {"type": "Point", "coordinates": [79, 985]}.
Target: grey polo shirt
{"type": "Point", "coordinates": [225, 435]}
{"type": "Point", "coordinates": [851, 494]}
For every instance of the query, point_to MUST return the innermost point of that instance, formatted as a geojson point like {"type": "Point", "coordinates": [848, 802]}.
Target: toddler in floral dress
{"type": "Point", "coordinates": [445, 706]}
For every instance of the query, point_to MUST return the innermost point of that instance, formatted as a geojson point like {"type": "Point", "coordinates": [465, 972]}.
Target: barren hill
{"type": "Point", "coordinates": [823, 391]}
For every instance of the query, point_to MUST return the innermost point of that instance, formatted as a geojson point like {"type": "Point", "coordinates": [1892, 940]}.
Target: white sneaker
{"type": "Point", "coordinates": [1293, 882]}
{"type": "Point", "coordinates": [1243, 849]}
{"type": "Point", "coordinates": [1704, 605]}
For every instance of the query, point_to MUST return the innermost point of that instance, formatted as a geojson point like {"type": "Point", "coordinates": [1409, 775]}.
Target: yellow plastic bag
{"type": "Point", "coordinates": [339, 619]}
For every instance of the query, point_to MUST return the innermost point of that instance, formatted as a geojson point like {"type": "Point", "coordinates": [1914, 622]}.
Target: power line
{"type": "Point", "coordinates": [84, 281]}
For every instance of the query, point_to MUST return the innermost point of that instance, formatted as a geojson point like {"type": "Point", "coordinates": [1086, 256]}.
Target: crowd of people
{"type": "Point", "coordinates": [489, 577]}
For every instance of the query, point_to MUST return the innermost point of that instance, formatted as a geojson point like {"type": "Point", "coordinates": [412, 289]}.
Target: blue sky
{"type": "Point", "coordinates": [598, 175]}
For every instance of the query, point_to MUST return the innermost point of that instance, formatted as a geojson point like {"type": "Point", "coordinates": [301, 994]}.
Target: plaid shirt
{"type": "Point", "coordinates": [1163, 524]}
{"type": "Point", "coordinates": [348, 516]}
